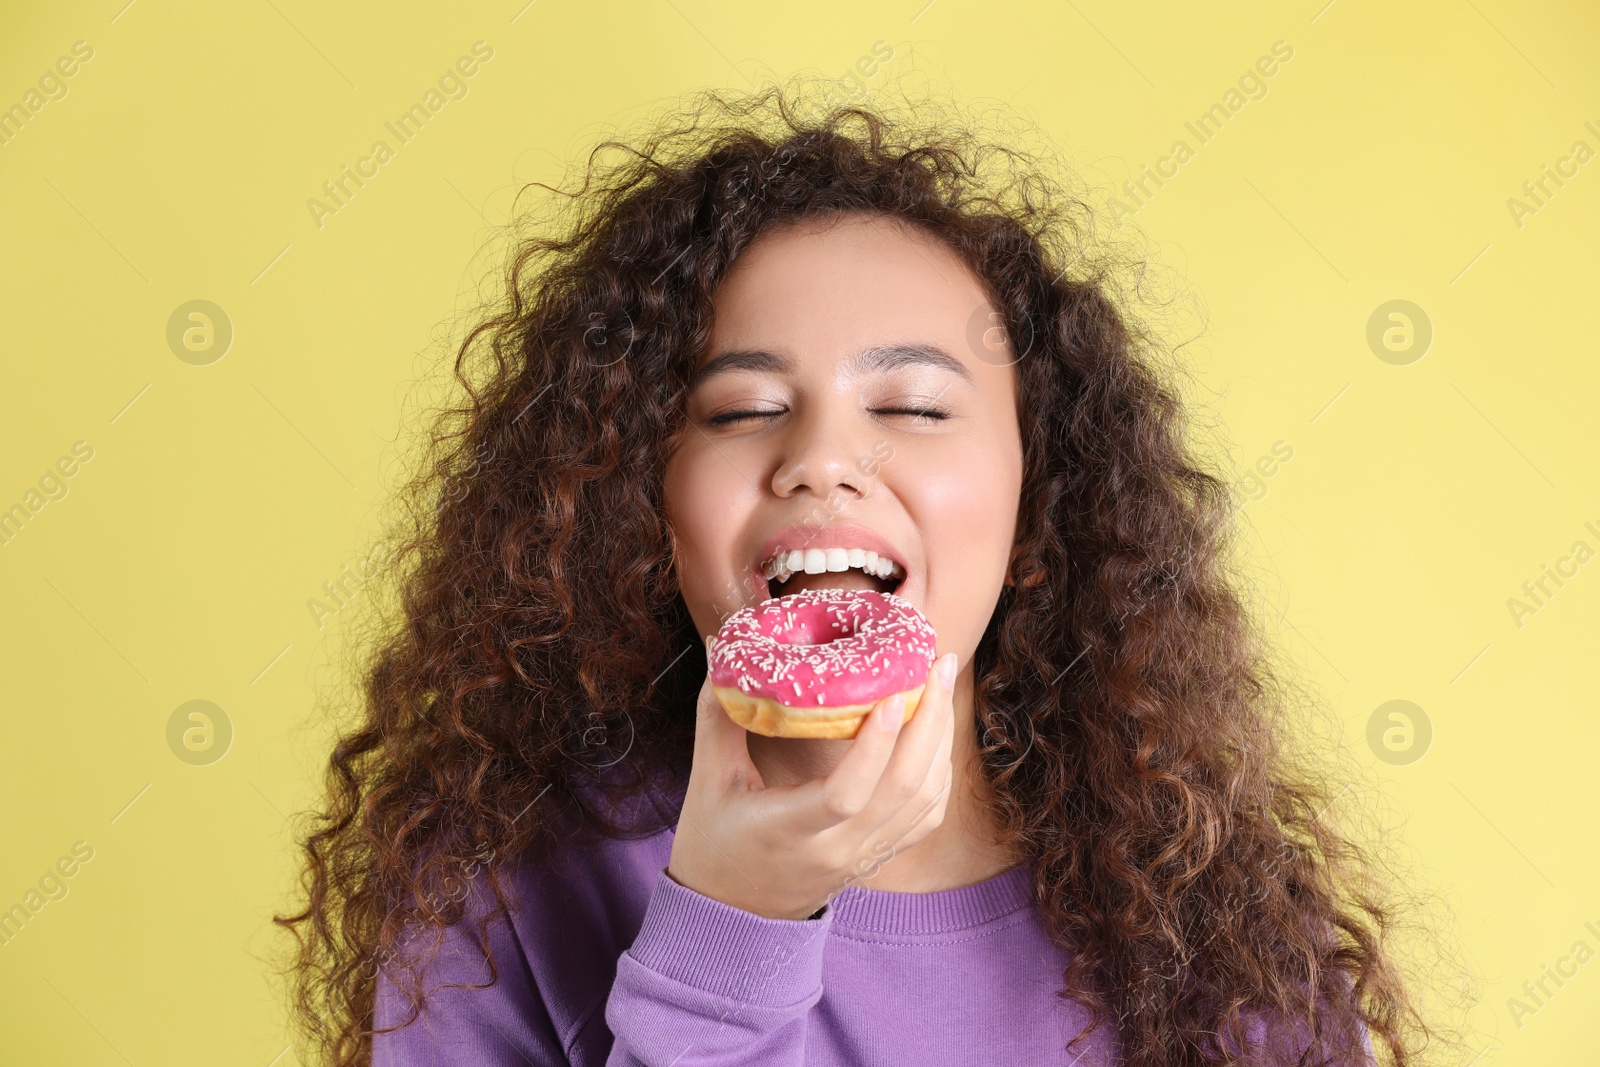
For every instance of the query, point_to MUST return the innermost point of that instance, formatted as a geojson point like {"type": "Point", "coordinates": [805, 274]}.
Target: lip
{"type": "Point", "coordinates": [839, 535]}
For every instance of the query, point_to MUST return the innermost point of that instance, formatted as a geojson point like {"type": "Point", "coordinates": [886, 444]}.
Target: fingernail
{"type": "Point", "coordinates": [894, 709]}
{"type": "Point", "coordinates": [947, 668]}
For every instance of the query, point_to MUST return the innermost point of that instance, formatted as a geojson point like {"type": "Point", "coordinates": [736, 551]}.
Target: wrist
{"type": "Point", "coordinates": [802, 913]}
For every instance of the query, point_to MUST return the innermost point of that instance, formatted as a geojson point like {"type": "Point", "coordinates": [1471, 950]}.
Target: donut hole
{"type": "Point", "coordinates": [813, 632]}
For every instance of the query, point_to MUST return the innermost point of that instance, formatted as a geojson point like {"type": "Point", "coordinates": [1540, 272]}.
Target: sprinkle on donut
{"type": "Point", "coordinates": [824, 648]}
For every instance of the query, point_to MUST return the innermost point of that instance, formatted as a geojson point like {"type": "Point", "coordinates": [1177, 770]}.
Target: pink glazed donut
{"type": "Point", "coordinates": [813, 663]}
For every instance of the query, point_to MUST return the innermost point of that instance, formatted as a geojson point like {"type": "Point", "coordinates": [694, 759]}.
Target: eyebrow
{"type": "Point", "coordinates": [879, 357]}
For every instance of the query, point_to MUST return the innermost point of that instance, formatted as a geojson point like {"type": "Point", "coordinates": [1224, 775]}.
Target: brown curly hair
{"type": "Point", "coordinates": [540, 668]}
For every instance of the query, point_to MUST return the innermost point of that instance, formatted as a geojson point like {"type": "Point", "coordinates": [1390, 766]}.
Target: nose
{"type": "Point", "coordinates": [820, 455]}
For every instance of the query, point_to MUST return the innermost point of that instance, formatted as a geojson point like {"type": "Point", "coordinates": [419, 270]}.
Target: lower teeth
{"type": "Point", "coordinates": [784, 576]}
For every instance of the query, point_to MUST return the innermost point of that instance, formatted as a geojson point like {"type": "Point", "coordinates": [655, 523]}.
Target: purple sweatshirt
{"type": "Point", "coordinates": [608, 961]}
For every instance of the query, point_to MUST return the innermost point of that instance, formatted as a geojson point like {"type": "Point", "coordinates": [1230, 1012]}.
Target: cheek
{"type": "Point", "coordinates": [965, 511]}
{"type": "Point", "coordinates": [704, 496]}
{"type": "Point", "coordinates": [971, 500]}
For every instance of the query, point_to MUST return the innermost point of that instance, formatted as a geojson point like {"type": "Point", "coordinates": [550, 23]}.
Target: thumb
{"type": "Point", "coordinates": [719, 743]}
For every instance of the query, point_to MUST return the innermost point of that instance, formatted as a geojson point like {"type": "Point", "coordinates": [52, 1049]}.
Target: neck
{"type": "Point", "coordinates": [964, 848]}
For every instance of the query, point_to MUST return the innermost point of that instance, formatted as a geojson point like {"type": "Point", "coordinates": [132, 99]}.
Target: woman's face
{"type": "Point", "coordinates": [826, 339]}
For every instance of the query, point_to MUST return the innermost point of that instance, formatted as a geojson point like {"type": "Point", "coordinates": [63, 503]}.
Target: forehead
{"type": "Point", "coordinates": [844, 283]}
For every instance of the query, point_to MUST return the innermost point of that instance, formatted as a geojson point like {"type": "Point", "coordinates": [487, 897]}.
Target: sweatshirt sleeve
{"type": "Point", "coordinates": [707, 984]}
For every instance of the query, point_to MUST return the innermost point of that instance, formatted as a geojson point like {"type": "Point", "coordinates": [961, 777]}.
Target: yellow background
{"type": "Point", "coordinates": [1418, 499]}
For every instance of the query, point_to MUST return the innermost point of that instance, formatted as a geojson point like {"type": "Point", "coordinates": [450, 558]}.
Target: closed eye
{"type": "Point", "coordinates": [931, 414]}
{"type": "Point", "coordinates": [738, 416]}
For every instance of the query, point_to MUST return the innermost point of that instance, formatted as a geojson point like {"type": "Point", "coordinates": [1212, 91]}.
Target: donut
{"type": "Point", "coordinates": [813, 663]}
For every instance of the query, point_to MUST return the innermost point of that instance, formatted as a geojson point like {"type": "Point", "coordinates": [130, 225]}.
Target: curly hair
{"type": "Point", "coordinates": [539, 668]}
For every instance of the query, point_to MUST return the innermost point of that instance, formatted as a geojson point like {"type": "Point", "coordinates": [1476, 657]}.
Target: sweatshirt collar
{"type": "Point", "coordinates": [943, 911]}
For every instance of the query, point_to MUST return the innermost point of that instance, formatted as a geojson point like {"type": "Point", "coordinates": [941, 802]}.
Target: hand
{"type": "Point", "coordinates": [785, 851]}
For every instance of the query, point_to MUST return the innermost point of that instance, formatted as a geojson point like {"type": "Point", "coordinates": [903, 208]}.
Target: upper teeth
{"type": "Point", "coordinates": [817, 560]}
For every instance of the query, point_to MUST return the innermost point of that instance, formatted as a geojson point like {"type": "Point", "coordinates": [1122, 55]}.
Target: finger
{"type": "Point", "coordinates": [719, 743]}
{"type": "Point", "coordinates": [914, 754]}
{"type": "Point", "coordinates": [925, 811]}
{"type": "Point", "coordinates": [922, 822]}
{"type": "Point", "coordinates": [908, 826]}
{"type": "Point", "coordinates": [936, 787]}
{"type": "Point", "coordinates": [850, 785]}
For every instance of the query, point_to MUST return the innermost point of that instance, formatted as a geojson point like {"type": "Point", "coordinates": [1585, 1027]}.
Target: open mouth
{"type": "Point", "coordinates": [798, 570]}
